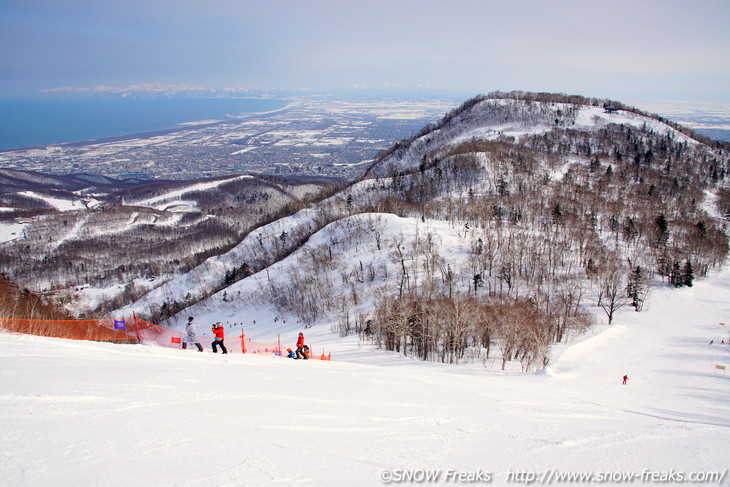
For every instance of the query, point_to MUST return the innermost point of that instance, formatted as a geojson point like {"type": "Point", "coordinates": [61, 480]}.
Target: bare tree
{"type": "Point", "coordinates": [611, 287]}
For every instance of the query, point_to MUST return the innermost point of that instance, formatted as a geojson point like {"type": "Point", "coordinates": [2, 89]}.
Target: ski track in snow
{"type": "Point", "coordinates": [178, 193]}
{"type": "Point", "coordinates": [70, 235]}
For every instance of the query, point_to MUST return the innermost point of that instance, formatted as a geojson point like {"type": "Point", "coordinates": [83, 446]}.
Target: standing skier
{"type": "Point", "coordinates": [626, 378]}
{"type": "Point", "coordinates": [300, 347]}
{"type": "Point", "coordinates": [192, 337]}
{"type": "Point", "coordinates": [219, 332]}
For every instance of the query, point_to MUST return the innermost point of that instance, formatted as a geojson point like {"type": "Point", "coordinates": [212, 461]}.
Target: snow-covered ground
{"type": "Point", "coordinates": [77, 413]}
{"type": "Point", "coordinates": [61, 204]}
{"type": "Point", "coordinates": [10, 231]}
{"type": "Point", "coordinates": [587, 117]}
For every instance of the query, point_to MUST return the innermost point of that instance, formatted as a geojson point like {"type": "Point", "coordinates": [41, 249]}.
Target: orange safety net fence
{"type": "Point", "coordinates": [98, 330]}
{"type": "Point", "coordinates": [135, 330]}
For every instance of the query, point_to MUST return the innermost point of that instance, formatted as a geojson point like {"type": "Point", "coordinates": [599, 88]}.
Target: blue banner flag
{"type": "Point", "coordinates": [119, 325]}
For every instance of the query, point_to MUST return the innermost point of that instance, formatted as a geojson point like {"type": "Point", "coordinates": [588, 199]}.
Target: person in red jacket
{"type": "Point", "coordinates": [300, 347]}
{"type": "Point", "coordinates": [219, 332]}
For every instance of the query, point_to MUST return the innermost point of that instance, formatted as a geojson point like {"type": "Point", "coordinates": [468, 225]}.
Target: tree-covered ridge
{"type": "Point", "coordinates": [530, 109]}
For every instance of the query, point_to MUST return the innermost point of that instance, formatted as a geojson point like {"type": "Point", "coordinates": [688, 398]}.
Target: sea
{"type": "Point", "coordinates": [41, 122]}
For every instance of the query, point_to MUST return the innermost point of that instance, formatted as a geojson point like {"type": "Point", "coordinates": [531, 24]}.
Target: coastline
{"type": "Point", "coordinates": [145, 134]}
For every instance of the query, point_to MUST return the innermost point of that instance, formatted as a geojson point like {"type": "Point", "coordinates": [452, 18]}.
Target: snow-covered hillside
{"type": "Point", "coordinates": [77, 413]}
{"type": "Point", "coordinates": [78, 241]}
{"type": "Point", "coordinates": [509, 119]}
{"type": "Point", "coordinates": [207, 275]}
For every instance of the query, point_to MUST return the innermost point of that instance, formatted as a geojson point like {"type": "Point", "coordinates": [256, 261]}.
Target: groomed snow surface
{"type": "Point", "coordinates": [81, 414]}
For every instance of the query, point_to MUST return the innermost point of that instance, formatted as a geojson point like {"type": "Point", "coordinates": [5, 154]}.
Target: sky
{"type": "Point", "coordinates": [657, 49]}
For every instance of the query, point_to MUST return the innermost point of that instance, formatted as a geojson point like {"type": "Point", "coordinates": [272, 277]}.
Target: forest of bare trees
{"type": "Point", "coordinates": [17, 303]}
{"type": "Point", "coordinates": [137, 238]}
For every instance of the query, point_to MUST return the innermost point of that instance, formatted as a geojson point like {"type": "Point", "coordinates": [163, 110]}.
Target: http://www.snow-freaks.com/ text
{"type": "Point", "coordinates": [550, 477]}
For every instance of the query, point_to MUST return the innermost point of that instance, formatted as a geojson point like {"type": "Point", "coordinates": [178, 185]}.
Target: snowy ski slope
{"type": "Point", "coordinates": [75, 413]}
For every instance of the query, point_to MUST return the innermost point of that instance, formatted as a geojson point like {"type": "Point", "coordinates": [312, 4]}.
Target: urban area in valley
{"type": "Point", "coordinates": [323, 138]}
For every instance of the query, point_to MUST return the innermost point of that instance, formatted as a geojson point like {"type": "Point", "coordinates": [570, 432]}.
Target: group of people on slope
{"type": "Point", "coordinates": [302, 349]}
{"type": "Point", "coordinates": [219, 332]}
{"type": "Point", "coordinates": [192, 330]}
